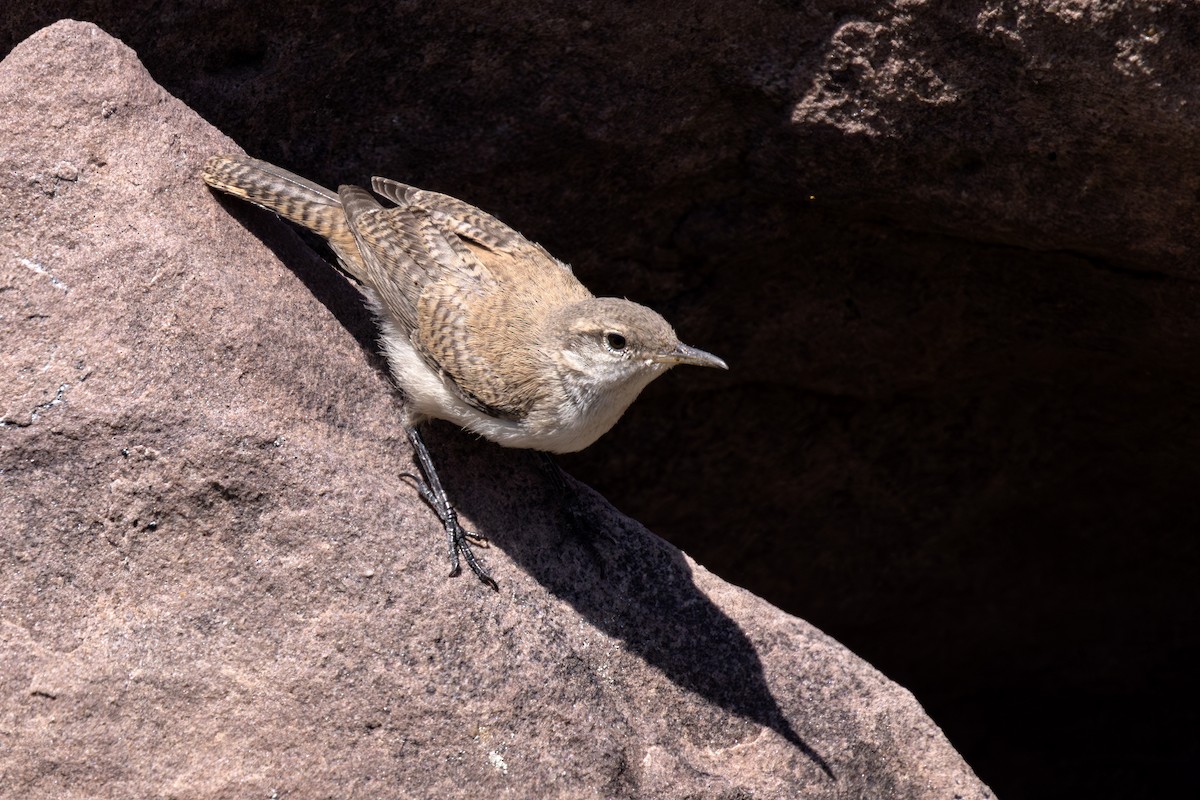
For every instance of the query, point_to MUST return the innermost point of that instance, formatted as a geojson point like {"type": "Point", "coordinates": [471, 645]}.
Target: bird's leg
{"type": "Point", "coordinates": [431, 491]}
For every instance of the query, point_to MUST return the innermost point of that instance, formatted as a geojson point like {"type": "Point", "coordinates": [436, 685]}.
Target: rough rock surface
{"type": "Point", "coordinates": [213, 582]}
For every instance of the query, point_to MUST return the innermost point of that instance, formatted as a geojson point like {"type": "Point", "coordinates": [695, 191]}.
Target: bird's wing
{"type": "Point", "coordinates": [464, 320]}
{"type": "Point", "coordinates": [394, 275]}
{"type": "Point", "coordinates": [464, 220]}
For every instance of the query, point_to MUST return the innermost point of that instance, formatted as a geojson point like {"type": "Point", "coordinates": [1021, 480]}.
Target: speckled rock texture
{"type": "Point", "coordinates": [214, 581]}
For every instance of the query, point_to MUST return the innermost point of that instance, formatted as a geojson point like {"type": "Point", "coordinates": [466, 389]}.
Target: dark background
{"type": "Point", "coordinates": [947, 250]}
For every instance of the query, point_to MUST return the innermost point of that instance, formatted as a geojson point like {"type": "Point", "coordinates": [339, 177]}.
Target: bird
{"type": "Point", "coordinates": [478, 325]}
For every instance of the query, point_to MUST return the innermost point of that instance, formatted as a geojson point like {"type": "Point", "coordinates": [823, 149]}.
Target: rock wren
{"type": "Point", "coordinates": [480, 326]}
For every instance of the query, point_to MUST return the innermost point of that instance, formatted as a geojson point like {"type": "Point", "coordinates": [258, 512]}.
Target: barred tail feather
{"type": "Point", "coordinates": [291, 197]}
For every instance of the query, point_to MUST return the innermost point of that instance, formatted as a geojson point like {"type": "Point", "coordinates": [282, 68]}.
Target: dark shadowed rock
{"type": "Point", "coordinates": [215, 583]}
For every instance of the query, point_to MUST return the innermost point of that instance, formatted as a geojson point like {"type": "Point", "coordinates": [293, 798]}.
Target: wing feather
{"type": "Point", "coordinates": [463, 219]}
{"type": "Point", "coordinates": [462, 286]}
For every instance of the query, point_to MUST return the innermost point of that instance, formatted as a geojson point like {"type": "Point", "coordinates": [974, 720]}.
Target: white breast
{"type": "Point", "coordinates": [564, 427]}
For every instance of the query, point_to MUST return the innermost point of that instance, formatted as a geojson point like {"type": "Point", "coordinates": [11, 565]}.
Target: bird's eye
{"type": "Point", "coordinates": [615, 341]}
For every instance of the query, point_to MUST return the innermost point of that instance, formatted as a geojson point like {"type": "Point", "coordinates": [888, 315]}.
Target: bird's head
{"type": "Point", "coordinates": [617, 346]}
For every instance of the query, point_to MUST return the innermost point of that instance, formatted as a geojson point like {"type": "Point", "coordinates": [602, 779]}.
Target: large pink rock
{"type": "Point", "coordinates": [214, 581]}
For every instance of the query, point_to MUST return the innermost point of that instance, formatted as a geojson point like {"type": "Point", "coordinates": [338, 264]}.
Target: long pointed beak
{"type": "Point", "coordinates": [682, 354]}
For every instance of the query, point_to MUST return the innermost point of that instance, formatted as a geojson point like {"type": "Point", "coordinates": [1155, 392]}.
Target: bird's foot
{"type": "Point", "coordinates": [458, 538]}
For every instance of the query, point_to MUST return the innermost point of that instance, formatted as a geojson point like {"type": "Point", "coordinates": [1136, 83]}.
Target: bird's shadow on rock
{"type": "Point", "coordinates": [628, 583]}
